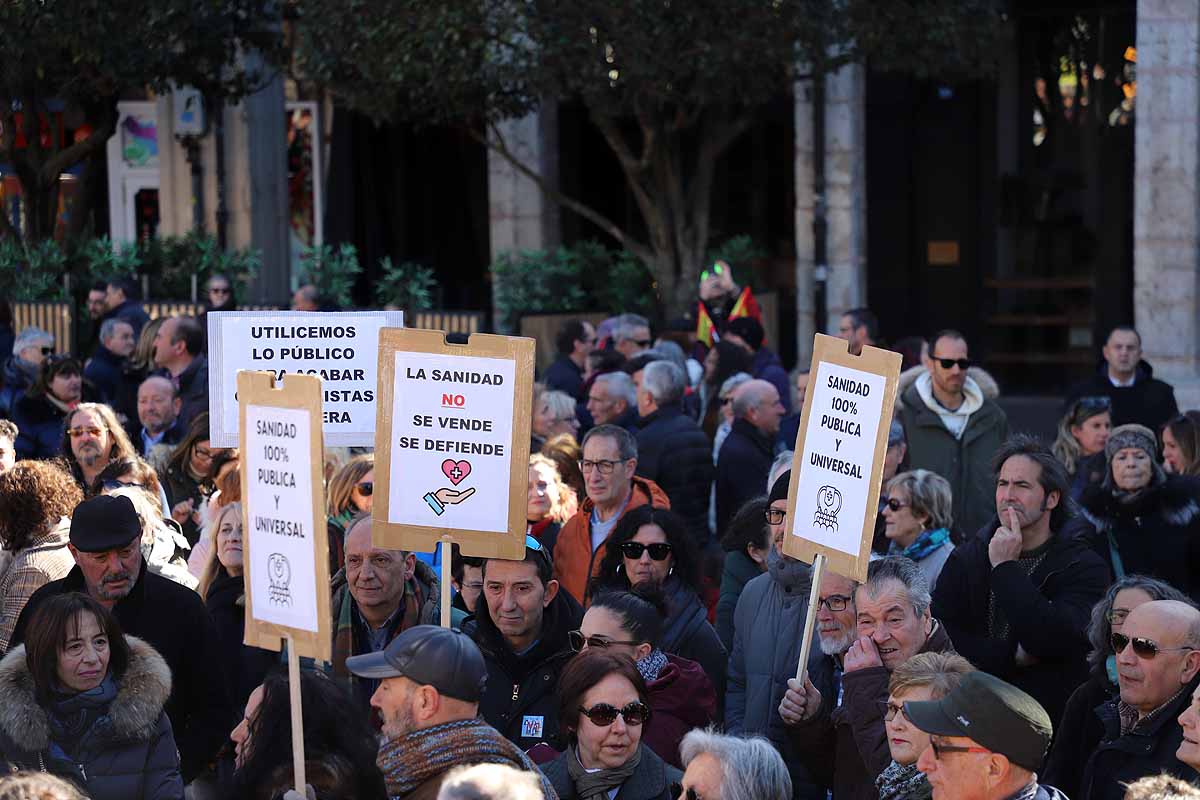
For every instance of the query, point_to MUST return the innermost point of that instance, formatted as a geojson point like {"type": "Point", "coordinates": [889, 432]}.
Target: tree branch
{"type": "Point", "coordinates": [78, 151]}
{"type": "Point", "coordinates": [496, 143]}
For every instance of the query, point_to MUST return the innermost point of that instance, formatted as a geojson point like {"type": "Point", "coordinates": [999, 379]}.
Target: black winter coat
{"type": "Point", "coordinates": [117, 386]}
{"type": "Point", "coordinates": [14, 383]}
{"type": "Point", "coordinates": [130, 311]}
{"type": "Point", "coordinates": [674, 453]}
{"type": "Point", "coordinates": [1047, 612]}
{"type": "Point", "coordinates": [127, 754]}
{"type": "Point", "coordinates": [179, 486]}
{"type": "Point", "coordinates": [1117, 760]}
{"type": "Point", "coordinates": [245, 666]}
{"type": "Point", "coordinates": [738, 570]}
{"type": "Point", "coordinates": [564, 375]}
{"type": "Point", "coordinates": [688, 633]}
{"type": "Point", "coordinates": [1156, 534]}
{"type": "Point", "coordinates": [1077, 734]}
{"type": "Point", "coordinates": [1148, 401]}
{"type": "Point", "coordinates": [650, 781]}
{"type": "Point", "coordinates": [742, 469]}
{"type": "Point", "coordinates": [41, 424]}
{"type": "Point", "coordinates": [193, 389]}
{"type": "Point", "coordinates": [173, 620]}
{"type": "Point", "coordinates": [520, 698]}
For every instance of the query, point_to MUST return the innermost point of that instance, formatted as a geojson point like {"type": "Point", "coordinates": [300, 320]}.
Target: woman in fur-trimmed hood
{"type": "Point", "coordinates": [84, 702]}
{"type": "Point", "coordinates": [1147, 522]}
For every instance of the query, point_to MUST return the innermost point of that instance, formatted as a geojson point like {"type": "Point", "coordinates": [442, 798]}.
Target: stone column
{"type": "Point", "coordinates": [845, 198]}
{"type": "Point", "coordinates": [1166, 228]}
{"type": "Point", "coordinates": [519, 214]}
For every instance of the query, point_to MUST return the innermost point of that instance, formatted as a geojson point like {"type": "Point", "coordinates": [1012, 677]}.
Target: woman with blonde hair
{"type": "Point", "coordinates": [564, 451]}
{"type": "Point", "coordinates": [550, 502]}
{"type": "Point", "coordinates": [351, 492]}
{"type": "Point", "coordinates": [1082, 433]}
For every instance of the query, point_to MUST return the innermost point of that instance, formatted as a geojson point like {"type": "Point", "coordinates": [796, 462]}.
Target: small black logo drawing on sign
{"type": "Point", "coordinates": [279, 573]}
{"type": "Point", "coordinates": [829, 503]}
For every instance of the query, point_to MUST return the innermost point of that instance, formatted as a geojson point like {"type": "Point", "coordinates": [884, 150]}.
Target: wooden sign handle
{"type": "Point", "coordinates": [297, 716]}
{"type": "Point", "coordinates": [814, 596]}
{"type": "Point", "coordinates": [447, 567]}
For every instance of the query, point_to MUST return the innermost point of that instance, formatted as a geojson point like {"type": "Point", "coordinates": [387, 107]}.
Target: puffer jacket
{"type": "Point", "coordinates": [688, 633]}
{"type": "Point", "coordinates": [127, 754]}
{"type": "Point", "coordinates": [574, 560]}
{"type": "Point", "coordinates": [1156, 533]}
{"type": "Point", "coordinates": [674, 453]}
{"type": "Point", "coordinates": [766, 648]}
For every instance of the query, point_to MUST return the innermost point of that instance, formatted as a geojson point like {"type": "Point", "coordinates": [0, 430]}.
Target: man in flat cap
{"type": "Point", "coordinates": [431, 680]}
{"type": "Point", "coordinates": [987, 739]}
{"type": "Point", "coordinates": [104, 541]}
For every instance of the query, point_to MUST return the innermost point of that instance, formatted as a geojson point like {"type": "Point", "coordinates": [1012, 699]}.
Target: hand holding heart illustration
{"type": "Point", "coordinates": [456, 471]}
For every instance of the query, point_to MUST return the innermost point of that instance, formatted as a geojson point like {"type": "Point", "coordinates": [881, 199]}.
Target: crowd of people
{"type": "Point", "coordinates": [1028, 627]}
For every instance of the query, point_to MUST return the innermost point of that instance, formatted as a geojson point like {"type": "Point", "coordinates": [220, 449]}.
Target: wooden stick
{"type": "Point", "coordinates": [814, 596]}
{"type": "Point", "coordinates": [447, 547]}
{"type": "Point", "coordinates": [297, 715]}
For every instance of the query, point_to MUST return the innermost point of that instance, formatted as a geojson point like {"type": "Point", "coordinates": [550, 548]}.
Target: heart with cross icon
{"type": "Point", "coordinates": [456, 471]}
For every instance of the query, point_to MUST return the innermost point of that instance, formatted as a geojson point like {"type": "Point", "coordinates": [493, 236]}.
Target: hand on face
{"type": "Point", "coordinates": [1006, 543]}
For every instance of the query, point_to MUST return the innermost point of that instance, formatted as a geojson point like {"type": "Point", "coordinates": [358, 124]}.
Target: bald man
{"type": "Point", "coordinates": [747, 452]}
{"type": "Point", "coordinates": [1135, 734]}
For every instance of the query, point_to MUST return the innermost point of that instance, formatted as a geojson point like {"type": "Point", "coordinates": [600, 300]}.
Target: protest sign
{"type": "Point", "coordinates": [452, 443]}
{"type": "Point", "coordinates": [285, 551]}
{"type": "Point", "coordinates": [339, 347]}
{"type": "Point", "coordinates": [837, 464]}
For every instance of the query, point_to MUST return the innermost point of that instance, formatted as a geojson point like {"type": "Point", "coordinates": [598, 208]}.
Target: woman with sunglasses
{"type": "Point", "coordinates": [603, 709]}
{"type": "Point", "coordinates": [925, 676]}
{"type": "Point", "coordinates": [40, 412]}
{"type": "Point", "coordinates": [351, 492]}
{"type": "Point", "coordinates": [1082, 434]}
{"type": "Point", "coordinates": [681, 696]}
{"type": "Point", "coordinates": [187, 477]}
{"type": "Point", "coordinates": [1181, 444]}
{"type": "Point", "coordinates": [1146, 522]}
{"type": "Point", "coordinates": [1077, 734]}
{"type": "Point", "coordinates": [652, 545]}
{"type": "Point", "coordinates": [916, 513]}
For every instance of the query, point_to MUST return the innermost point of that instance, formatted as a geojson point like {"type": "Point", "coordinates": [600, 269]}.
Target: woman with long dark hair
{"type": "Point", "coordinates": [40, 412]}
{"type": "Point", "coordinates": [187, 478]}
{"type": "Point", "coordinates": [652, 545]}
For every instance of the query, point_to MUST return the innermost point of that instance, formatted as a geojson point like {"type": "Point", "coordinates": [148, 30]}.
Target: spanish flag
{"type": "Point", "coordinates": [745, 306]}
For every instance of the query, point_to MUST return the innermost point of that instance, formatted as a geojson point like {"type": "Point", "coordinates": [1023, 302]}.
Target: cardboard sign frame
{"type": "Point", "coordinates": [483, 544]}
{"type": "Point", "coordinates": [880, 362]}
{"type": "Point", "coordinates": [298, 392]}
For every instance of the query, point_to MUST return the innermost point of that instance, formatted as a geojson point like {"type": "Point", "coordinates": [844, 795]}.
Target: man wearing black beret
{"type": "Point", "coordinates": [105, 538]}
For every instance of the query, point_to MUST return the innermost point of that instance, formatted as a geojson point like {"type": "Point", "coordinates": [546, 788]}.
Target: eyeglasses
{"type": "Point", "coordinates": [578, 641]}
{"type": "Point", "coordinates": [603, 714]}
{"type": "Point", "coordinates": [1142, 647]}
{"type": "Point", "coordinates": [963, 363]}
{"type": "Point", "coordinates": [203, 454]}
{"type": "Point", "coordinates": [894, 504]}
{"type": "Point", "coordinates": [112, 485]}
{"type": "Point", "coordinates": [90, 430]}
{"type": "Point", "coordinates": [1116, 616]}
{"type": "Point", "coordinates": [835, 602]}
{"type": "Point", "coordinates": [47, 351]}
{"type": "Point", "coordinates": [939, 748]}
{"type": "Point", "coordinates": [605, 466]}
{"type": "Point", "coordinates": [774, 516]}
{"type": "Point", "coordinates": [658, 551]}
{"type": "Point", "coordinates": [678, 791]}
{"type": "Point", "coordinates": [890, 710]}
{"type": "Point", "coordinates": [218, 290]}
{"type": "Point", "coordinates": [366, 488]}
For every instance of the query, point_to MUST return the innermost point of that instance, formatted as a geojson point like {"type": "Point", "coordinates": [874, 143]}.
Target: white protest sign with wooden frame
{"type": "Point", "coordinates": [837, 465]}
{"type": "Point", "coordinates": [452, 445]}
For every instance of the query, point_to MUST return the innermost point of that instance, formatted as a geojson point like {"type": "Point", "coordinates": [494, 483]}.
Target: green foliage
{"type": "Point", "coordinates": [100, 259]}
{"type": "Point", "coordinates": [31, 272]}
{"type": "Point", "coordinates": [740, 252]}
{"type": "Point", "coordinates": [172, 261]}
{"type": "Point", "coordinates": [333, 272]}
{"type": "Point", "coordinates": [407, 285]}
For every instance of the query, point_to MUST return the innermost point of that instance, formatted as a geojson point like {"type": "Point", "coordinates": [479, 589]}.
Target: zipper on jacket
{"type": "Point", "coordinates": [516, 691]}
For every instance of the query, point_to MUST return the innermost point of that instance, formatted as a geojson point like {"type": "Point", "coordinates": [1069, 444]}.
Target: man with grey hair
{"type": "Point", "coordinates": [631, 335]}
{"type": "Point", "coordinates": [30, 349]}
{"type": "Point", "coordinates": [720, 767]}
{"type": "Point", "coordinates": [612, 400]}
{"type": "Point", "coordinates": [894, 624]}
{"type": "Point", "coordinates": [106, 368]}
{"type": "Point", "coordinates": [672, 449]}
{"type": "Point", "coordinates": [747, 452]}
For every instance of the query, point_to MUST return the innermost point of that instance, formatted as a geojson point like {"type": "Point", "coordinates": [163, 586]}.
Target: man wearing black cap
{"type": "Point", "coordinates": [521, 626]}
{"type": "Point", "coordinates": [748, 333]}
{"type": "Point", "coordinates": [987, 741]}
{"type": "Point", "coordinates": [431, 682]}
{"type": "Point", "coordinates": [104, 541]}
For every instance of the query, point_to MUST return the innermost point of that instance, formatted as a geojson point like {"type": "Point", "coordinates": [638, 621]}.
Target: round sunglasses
{"type": "Point", "coordinates": [603, 714]}
{"type": "Point", "coordinates": [658, 550]}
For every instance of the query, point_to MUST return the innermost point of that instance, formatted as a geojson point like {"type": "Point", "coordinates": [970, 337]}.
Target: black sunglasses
{"type": "Point", "coordinates": [113, 485]}
{"type": "Point", "coordinates": [894, 504]}
{"type": "Point", "coordinates": [643, 342]}
{"type": "Point", "coordinates": [963, 363]}
{"type": "Point", "coordinates": [634, 550]}
{"type": "Point", "coordinates": [365, 489]}
{"type": "Point", "coordinates": [603, 714]}
{"type": "Point", "coordinates": [677, 790]}
{"type": "Point", "coordinates": [1142, 648]}
{"type": "Point", "coordinates": [47, 351]}
{"type": "Point", "coordinates": [578, 640]}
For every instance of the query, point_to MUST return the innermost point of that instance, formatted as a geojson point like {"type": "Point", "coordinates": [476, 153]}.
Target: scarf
{"type": "Point", "coordinates": [412, 759]}
{"type": "Point", "coordinates": [651, 665]}
{"type": "Point", "coordinates": [926, 543]}
{"type": "Point", "coordinates": [596, 785]}
{"type": "Point", "coordinates": [72, 715]}
{"type": "Point", "coordinates": [899, 782]}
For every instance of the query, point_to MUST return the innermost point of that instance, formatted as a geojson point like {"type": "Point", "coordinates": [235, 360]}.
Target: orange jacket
{"type": "Point", "coordinates": [574, 561]}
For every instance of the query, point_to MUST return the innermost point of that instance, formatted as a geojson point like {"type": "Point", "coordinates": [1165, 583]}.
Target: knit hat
{"type": "Point", "coordinates": [1133, 435]}
{"type": "Point", "coordinates": [779, 490]}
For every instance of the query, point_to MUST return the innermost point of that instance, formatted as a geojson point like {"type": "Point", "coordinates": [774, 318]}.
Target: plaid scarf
{"type": "Point", "coordinates": [347, 637]}
{"type": "Point", "coordinates": [412, 759]}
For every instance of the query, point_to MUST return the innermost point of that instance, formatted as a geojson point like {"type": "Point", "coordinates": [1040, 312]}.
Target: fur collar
{"type": "Point", "coordinates": [1174, 502]}
{"type": "Point", "coordinates": [141, 694]}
